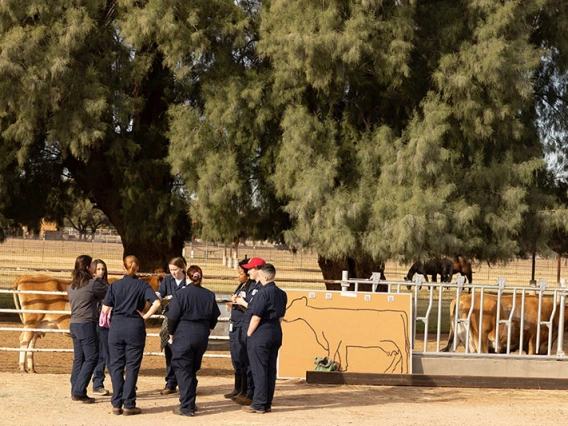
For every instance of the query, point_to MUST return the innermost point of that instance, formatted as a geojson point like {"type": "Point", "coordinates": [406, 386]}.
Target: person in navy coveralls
{"type": "Point", "coordinates": [246, 301]}
{"type": "Point", "coordinates": [126, 298]}
{"type": "Point", "coordinates": [192, 315]}
{"type": "Point", "coordinates": [168, 287]}
{"type": "Point", "coordinates": [237, 339]}
{"type": "Point", "coordinates": [265, 338]}
{"type": "Point", "coordinates": [101, 272]}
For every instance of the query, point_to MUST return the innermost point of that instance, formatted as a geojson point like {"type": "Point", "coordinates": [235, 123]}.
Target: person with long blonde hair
{"type": "Point", "coordinates": [126, 298]}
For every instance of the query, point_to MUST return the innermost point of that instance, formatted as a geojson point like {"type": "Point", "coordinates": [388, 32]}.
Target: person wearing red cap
{"type": "Point", "coordinates": [247, 390]}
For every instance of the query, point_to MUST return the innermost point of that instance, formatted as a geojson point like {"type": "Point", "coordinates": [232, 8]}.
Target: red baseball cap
{"type": "Point", "coordinates": [255, 262]}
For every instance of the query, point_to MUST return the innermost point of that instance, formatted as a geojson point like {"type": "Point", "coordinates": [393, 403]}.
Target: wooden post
{"type": "Point", "coordinates": [559, 264]}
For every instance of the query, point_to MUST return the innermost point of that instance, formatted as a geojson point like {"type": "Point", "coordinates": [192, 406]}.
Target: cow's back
{"type": "Point", "coordinates": [47, 302]}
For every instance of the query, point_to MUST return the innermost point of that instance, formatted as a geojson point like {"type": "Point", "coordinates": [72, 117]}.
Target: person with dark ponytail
{"type": "Point", "coordinates": [192, 316]}
{"type": "Point", "coordinates": [126, 298]}
{"type": "Point", "coordinates": [85, 294]}
{"type": "Point", "coordinates": [237, 341]}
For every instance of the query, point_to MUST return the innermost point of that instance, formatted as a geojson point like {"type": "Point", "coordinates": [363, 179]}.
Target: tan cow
{"type": "Point", "coordinates": [47, 302]}
{"type": "Point", "coordinates": [488, 323]}
{"type": "Point", "coordinates": [530, 323]}
{"type": "Point", "coordinates": [43, 302]}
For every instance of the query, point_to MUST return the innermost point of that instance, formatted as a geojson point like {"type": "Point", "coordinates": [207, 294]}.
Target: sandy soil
{"type": "Point", "coordinates": [43, 398]}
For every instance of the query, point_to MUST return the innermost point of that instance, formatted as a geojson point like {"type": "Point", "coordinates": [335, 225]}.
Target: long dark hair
{"type": "Point", "coordinates": [81, 275]}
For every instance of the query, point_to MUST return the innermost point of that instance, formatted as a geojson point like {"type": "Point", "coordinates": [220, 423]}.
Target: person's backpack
{"type": "Point", "coordinates": [325, 364]}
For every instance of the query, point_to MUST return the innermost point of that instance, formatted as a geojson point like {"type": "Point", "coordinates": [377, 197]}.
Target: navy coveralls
{"type": "Point", "coordinates": [270, 305]}
{"type": "Point", "coordinates": [192, 313]}
{"type": "Point", "coordinates": [237, 339]}
{"type": "Point", "coordinates": [252, 291]}
{"type": "Point", "coordinates": [168, 287]}
{"type": "Point", "coordinates": [99, 373]}
{"type": "Point", "coordinates": [127, 336]}
{"type": "Point", "coordinates": [84, 303]}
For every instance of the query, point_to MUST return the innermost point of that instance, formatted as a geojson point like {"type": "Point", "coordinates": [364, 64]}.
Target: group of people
{"type": "Point", "coordinates": [108, 328]}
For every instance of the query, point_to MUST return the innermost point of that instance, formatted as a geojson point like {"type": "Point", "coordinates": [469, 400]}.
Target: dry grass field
{"type": "Point", "coordinates": [26, 256]}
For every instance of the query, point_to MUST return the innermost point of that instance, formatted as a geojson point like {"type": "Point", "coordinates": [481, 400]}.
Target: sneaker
{"type": "Point", "coordinates": [167, 391]}
{"type": "Point", "coordinates": [251, 409]}
{"type": "Point", "coordinates": [181, 413]}
{"type": "Point", "coordinates": [131, 411]}
{"type": "Point", "coordinates": [101, 391]}
{"type": "Point", "coordinates": [116, 411]}
{"type": "Point", "coordinates": [84, 399]}
{"type": "Point", "coordinates": [243, 400]}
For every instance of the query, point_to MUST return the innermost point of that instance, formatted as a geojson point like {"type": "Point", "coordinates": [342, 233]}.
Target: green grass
{"type": "Point", "coordinates": [433, 318]}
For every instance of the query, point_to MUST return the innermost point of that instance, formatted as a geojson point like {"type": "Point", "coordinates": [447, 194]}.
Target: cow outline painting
{"type": "Point", "coordinates": [358, 335]}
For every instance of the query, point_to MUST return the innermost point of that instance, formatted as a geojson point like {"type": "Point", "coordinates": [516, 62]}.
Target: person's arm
{"type": "Point", "coordinates": [106, 309]}
{"type": "Point", "coordinates": [155, 306]}
{"type": "Point", "coordinates": [241, 302]}
{"type": "Point", "coordinates": [255, 320]}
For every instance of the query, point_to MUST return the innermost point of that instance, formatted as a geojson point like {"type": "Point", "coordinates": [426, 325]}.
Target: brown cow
{"type": "Point", "coordinates": [530, 323]}
{"type": "Point", "coordinates": [488, 324]}
{"type": "Point", "coordinates": [45, 302]}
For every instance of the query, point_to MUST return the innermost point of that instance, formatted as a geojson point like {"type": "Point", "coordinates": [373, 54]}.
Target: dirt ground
{"type": "Point", "coordinates": [43, 398]}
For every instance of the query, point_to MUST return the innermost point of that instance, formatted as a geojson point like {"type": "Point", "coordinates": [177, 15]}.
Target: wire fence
{"type": "Point", "coordinates": [21, 256]}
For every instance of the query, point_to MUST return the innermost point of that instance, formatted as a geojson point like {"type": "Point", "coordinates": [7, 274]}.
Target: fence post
{"type": "Point", "coordinates": [560, 349]}
{"type": "Point", "coordinates": [344, 278]}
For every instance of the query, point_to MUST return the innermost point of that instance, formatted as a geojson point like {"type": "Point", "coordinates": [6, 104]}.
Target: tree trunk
{"type": "Point", "coordinates": [153, 255]}
{"type": "Point", "coordinates": [357, 268]}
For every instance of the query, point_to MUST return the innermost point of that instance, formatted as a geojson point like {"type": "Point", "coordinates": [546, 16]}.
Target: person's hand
{"type": "Point", "coordinates": [171, 339]}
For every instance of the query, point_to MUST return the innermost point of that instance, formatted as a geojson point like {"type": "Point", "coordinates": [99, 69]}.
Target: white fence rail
{"type": "Point", "coordinates": [428, 311]}
{"type": "Point", "coordinates": [50, 330]}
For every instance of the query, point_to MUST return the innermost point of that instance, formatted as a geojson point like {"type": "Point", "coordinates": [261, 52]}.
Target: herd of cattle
{"type": "Point", "coordinates": [525, 331]}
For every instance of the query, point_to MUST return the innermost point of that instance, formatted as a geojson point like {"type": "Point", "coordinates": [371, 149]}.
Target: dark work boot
{"type": "Point", "coordinates": [236, 389]}
{"type": "Point", "coordinates": [243, 389]}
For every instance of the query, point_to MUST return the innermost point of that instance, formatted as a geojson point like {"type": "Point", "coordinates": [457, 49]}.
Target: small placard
{"type": "Point", "coordinates": [328, 296]}
{"type": "Point", "coordinates": [367, 298]}
{"type": "Point", "coordinates": [312, 295]}
{"type": "Point", "coordinates": [390, 299]}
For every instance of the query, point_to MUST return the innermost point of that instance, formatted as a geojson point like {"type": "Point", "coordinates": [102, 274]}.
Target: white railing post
{"type": "Point", "coordinates": [344, 278]}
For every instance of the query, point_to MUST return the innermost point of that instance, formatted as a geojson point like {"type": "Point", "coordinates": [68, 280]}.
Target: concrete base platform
{"type": "Point", "coordinates": [492, 367]}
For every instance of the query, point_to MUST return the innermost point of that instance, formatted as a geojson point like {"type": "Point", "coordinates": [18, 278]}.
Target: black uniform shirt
{"type": "Point", "coordinates": [251, 294]}
{"type": "Point", "coordinates": [243, 290]}
{"type": "Point", "coordinates": [169, 287]}
{"type": "Point", "coordinates": [270, 304]}
{"type": "Point", "coordinates": [129, 295]}
{"type": "Point", "coordinates": [193, 303]}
